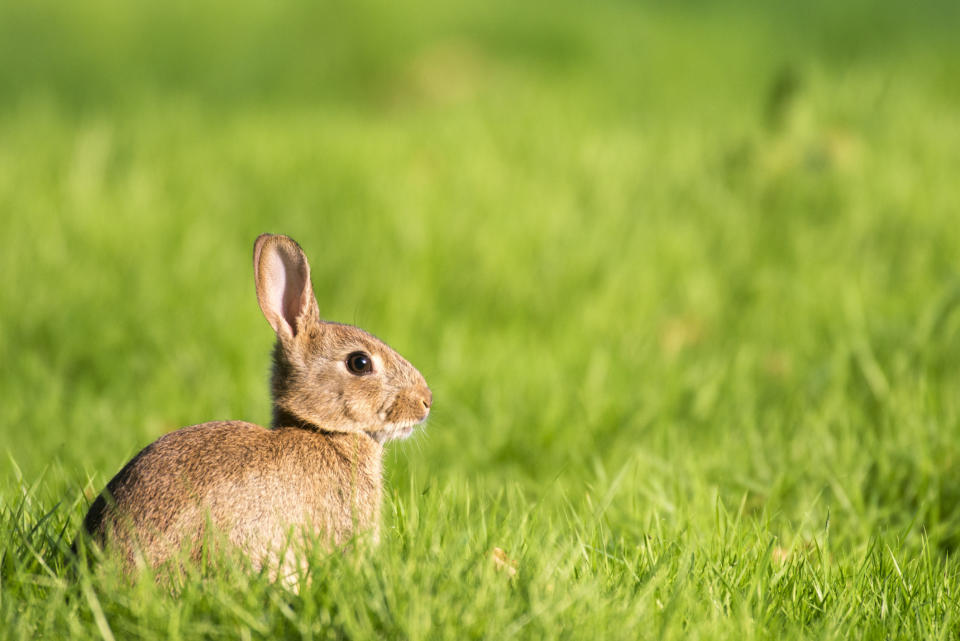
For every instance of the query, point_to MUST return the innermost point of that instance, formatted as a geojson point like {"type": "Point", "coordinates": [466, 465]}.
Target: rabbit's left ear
{"type": "Point", "coordinates": [283, 285]}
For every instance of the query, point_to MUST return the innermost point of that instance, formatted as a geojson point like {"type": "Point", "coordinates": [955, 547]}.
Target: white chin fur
{"type": "Point", "coordinates": [396, 431]}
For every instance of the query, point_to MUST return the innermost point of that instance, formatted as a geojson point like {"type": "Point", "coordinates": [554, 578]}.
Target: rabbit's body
{"type": "Point", "coordinates": [339, 393]}
{"type": "Point", "coordinates": [163, 499]}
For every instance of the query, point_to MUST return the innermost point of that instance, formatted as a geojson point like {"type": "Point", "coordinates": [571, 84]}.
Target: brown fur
{"type": "Point", "coordinates": [317, 472]}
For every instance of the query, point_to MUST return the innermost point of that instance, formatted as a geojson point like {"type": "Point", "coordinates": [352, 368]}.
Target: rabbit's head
{"type": "Point", "coordinates": [334, 377]}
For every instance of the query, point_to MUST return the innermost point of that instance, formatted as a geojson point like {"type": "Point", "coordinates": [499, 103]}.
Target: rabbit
{"type": "Point", "coordinates": [339, 394]}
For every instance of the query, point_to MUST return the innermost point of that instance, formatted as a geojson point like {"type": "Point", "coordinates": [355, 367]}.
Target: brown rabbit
{"type": "Point", "coordinates": [338, 395]}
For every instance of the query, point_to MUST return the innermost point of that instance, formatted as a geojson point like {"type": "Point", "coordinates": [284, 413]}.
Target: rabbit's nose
{"type": "Point", "coordinates": [426, 397]}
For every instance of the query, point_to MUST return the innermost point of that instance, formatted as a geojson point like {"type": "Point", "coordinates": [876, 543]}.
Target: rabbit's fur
{"type": "Point", "coordinates": [316, 472]}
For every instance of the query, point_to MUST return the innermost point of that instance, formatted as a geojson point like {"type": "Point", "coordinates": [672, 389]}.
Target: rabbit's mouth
{"type": "Point", "coordinates": [394, 431]}
{"type": "Point", "coordinates": [402, 415]}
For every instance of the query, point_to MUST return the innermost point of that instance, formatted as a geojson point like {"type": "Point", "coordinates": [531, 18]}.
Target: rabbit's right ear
{"type": "Point", "coordinates": [283, 284]}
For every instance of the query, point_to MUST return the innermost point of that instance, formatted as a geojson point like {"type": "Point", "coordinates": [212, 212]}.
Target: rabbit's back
{"type": "Point", "coordinates": [254, 485]}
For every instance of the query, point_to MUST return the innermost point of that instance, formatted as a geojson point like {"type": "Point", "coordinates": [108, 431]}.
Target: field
{"type": "Point", "coordinates": [684, 280]}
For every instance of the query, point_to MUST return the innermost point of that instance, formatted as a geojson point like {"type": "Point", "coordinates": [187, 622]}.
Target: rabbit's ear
{"type": "Point", "coordinates": [283, 284]}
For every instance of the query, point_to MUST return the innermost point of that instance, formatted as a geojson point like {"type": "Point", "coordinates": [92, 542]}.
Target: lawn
{"type": "Point", "coordinates": [684, 280]}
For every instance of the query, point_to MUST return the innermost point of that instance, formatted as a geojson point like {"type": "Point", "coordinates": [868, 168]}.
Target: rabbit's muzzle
{"type": "Point", "coordinates": [409, 408]}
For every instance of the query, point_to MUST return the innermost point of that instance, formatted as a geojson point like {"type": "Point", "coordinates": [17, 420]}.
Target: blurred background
{"type": "Point", "coordinates": [711, 244]}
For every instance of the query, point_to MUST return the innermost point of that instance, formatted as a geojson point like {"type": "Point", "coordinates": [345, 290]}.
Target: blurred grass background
{"type": "Point", "coordinates": [652, 258]}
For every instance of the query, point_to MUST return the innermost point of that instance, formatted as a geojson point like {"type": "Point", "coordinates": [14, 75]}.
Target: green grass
{"type": "Point", "coordinates": [684, 282]}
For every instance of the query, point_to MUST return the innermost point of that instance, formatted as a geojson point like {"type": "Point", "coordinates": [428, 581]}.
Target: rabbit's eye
{"type": "Point", "coordinates": [359, 363]}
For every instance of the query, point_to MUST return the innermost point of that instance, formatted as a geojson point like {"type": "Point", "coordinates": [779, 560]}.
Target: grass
{"type": "Point", "coordinates": [683, 280]}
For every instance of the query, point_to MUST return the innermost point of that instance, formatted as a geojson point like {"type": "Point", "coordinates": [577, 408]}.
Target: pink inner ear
{"type": "Point", "coordinates": [293, 296]}
{"type": "Point", "coordinates": [274, 279]}
{"type": "Point", "coordinates": [284, 286]}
